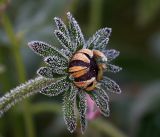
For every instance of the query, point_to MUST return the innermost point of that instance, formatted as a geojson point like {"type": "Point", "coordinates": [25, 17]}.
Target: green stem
{"type": "Point", "coordinates": [29, 88]}
{"type": "Point", "coordinates": [21, 72]}
{"type": "Point", "coordinates": [107, 128]}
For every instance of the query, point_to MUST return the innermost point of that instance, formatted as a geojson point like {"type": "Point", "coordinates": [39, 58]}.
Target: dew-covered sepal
{"type": "Point", "coordinates": [69, 108]}
{"type": "Point", "coordinates": [56, 87]}
{"type": "Point", "coordinates": [110, 85]}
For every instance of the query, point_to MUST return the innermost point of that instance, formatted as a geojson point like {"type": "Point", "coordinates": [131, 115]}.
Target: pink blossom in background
{"type": "Point", "coordinates": [92, 111]}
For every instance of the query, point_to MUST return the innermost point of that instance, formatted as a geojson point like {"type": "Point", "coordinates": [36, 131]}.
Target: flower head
{"type": "Point", "coordinates": [78, 69]}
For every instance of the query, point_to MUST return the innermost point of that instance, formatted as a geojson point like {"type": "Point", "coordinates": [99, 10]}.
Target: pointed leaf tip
{"type": "Point", "coordinates": [110, 85]}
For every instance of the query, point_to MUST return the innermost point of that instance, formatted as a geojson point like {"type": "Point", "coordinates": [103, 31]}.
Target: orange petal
{"type": "Point", "coordinates": [92, 87]}
{"type": "Point", "coordinates": [82, 57]}
{"type": "Point", "coordinates": [100, 71]}
{"type": "Point", "coordinates": [86, 51]}
{"type": "Point", "coordinates": [79, 73]}
{"type": "Point", "coordinates": [97, 53]}
{"type": "Point", "coordinates": [76, 68]}
{"type": "Point", "coordinates": [84, 84]}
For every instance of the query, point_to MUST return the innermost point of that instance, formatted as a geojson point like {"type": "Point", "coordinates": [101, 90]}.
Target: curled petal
{"type": "Point", "coordinates": [110, 85]}
{"type": "Point", "coordinates": [44, 49]}
{"type": "Point", "coordinates": [69, 105]}
{"type": "Point", "coordinates": [101, 102]}
{"type": "Point", "coordinates": [82, 107]}
{"type": "Point", "coordinates": [56, 88]}
{"type": "Point", "coordinates": [111, 54]}
{"type": "Point", "coordinates": [113, 68]}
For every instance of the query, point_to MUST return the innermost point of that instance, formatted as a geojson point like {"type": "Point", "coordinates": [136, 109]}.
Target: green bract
{"type": "Point", "coordinates": [72, 39]}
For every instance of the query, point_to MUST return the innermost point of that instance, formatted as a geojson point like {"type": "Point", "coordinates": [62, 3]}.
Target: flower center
{"type": "Point", "coordinates": [84, 69]}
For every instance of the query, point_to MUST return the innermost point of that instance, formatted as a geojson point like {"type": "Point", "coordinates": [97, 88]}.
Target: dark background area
{"type": "Point", "coordinates": [135, 33]}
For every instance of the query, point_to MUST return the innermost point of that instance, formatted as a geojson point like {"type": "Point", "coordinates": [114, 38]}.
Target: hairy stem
{"type": "Point", "coordinates": [27, 89]}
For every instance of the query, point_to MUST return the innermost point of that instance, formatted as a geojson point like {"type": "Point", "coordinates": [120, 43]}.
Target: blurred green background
{"type": "Point", "coordinates": [135, 33]}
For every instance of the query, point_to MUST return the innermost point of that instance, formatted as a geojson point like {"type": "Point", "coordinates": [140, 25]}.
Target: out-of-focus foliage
{"type": "Point", "coordinates": [135, 33]}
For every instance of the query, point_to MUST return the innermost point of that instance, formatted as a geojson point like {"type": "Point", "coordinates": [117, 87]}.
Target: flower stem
{"type": "Point", "coordinates": [29, 88]}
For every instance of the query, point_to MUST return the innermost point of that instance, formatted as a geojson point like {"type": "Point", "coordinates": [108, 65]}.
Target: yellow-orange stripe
{"type": "Point", "coordinates": [92, 87]}
{"type": "Point", "coordinates": [81, 56]}
{"type": "Point", "coordinates": [86, 51]}
{"type": "Point", "coordinates": [76, 68]}
{"type": "Point", "coordinates": [79, 73]}
{"type": "Point", "coordinates": [84, 84]}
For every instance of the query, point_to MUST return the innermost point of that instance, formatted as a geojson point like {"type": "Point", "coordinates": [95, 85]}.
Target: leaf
{"type": "Point", "coordinates": [49, 72]}
{"type": "Point", "coordinates": [111, 54]}
{"type": "Point", "coordinates": [110, 85]}
{"type": "Point", "coordinates": [61, 26]}
{"type": "Point", "coordinates": [113, 68]}
{"type": "Point", "coordinates": [69, 105]}
{"type": "Point", "coordinates": [56, 88]}
{"type": "Point", "coordinates": [56, 61]}
{"type": "Point", "coordinates": [101, 102]}
{"type": "Point", "coordinates": [65, 42]}
{"type": "Point", "coordinates": [75, 32]}
{"type": "Point", "coordinates": [102, 94]}
{"type": "Point", "coordinates": [82, 108]}
{"type": "Point", "coordinates": [100, 36]}
{"type": "Point", "coordinates": [44, 49]}
{"type": "Point", "coordinates": [102, 45]}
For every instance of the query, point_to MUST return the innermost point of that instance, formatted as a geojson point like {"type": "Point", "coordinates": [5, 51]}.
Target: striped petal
{"type": "Point", "coordinates": [83, 84]}
{"type": "Point", "coordinates": [82, 108]}
{"type": "Point", "coordinates": [79, 73]}
{"type": "Point", "coordinates": [56, 88]}
{"type": "Point", "coordinates": [69, 105]}
{"type": "Point", "coordinates": [82, 57]}
{"type": "Point", "coordinates": [44, 49]}
{"type": "Point", "coordinates": [76, 68]}
{"type": "Point", "coordinates": [110, 85]}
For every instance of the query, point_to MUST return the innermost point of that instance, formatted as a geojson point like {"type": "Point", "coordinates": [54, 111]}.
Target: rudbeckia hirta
{"type": "Point", "coordinates": [78, 69]}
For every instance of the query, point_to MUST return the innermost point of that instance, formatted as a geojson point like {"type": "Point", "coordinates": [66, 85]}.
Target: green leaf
{"type": "Point", "coordinates": [113, 68]}
{"type": "Point", "coordinates": [49, 72]}
{"type": "Point", "coordinates": [75, 32]}
{"type": "Point", "coordinates": [99, 38]}
{"type": "Point", "coordinates": [101, 101]}
{"type": "Point", "coordinates": [56, 88]}
{"type": "Point", "coordinates": [44, 49]}
{"type": "Point", "coordinates": [56, 61]}
{"type": "Point", "coordinates": [111, 54]}
{"type": "Point", "coordinates": [110, 85]}
{"type": "Point", "coordinates": [82, 108]}
{"type": "Point", "coordinates": [65, 42]}
{"type": "Point", "coordinates": [61, 26]}
{"type": "Point", "coordinates": [69, 108]}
